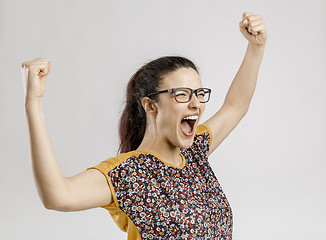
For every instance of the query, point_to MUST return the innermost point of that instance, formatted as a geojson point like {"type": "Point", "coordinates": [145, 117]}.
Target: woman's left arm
{"type": "Point", "coordinates": [240, 93]}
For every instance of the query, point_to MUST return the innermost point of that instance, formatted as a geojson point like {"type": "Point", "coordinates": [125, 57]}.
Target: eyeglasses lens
{"type": "Point", "coordinates": [183, 95]}
{"type": "Point", "coordinates": [202, 95]}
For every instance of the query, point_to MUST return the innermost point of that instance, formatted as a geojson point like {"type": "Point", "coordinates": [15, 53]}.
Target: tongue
{"type": "Point", "coordinates": [185, 127]}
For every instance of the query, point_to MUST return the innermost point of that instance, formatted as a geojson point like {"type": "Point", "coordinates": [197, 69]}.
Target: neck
{"type": "Point", "coordinates": [164, 150]}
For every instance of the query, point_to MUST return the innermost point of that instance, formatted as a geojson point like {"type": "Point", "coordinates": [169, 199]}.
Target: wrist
{"type": "Point", "coordinates": [259, 49]}
{"type": "Point", "coordinates": [32, 102]}
{"type": "Point", "coordinates": [255, 52]}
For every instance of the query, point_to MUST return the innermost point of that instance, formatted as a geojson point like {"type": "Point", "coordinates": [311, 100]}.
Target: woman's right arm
{"type": "Point", "coordinates": [88, 189]}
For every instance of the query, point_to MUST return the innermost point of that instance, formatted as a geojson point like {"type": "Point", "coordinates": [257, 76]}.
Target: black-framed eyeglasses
{"type": "Point", "coordinates": [183, 95]}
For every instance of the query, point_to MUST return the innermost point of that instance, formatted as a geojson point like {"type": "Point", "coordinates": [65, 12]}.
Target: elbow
{"type": "Point", "coordinates": [56, 207]}
{"type": "Point", "coordinates": [55, 203]}
{"type": "Point", "coordinates": [50, 205]}
{"type": "Point", "coordinates": [54, 198]}
{"type": "Point", "coordinates": [242, 109]}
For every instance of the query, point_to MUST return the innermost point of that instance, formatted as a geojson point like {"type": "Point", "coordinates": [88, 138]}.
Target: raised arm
{"type": "Point", "coordinates": [86, 190]}
{"type": "Point", "coordinates": [240, 93]}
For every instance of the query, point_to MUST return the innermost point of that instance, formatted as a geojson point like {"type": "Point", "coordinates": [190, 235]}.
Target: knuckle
{"type": "Point", "coordinates": [252, 25]}
{"type": "Point", "coordinates": [251, 18]}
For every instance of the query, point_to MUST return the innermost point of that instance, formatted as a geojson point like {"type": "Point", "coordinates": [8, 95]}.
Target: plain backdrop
{"type": "Point", "coordinates": [271, 167]}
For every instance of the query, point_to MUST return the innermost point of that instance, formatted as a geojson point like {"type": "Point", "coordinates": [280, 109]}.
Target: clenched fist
{"type": "Point", "coordinates": [253, 29]}
{"type": "Point", "coordinates": [38, 69]}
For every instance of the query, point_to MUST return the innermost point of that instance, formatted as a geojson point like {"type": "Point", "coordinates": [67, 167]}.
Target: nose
{"type": "Point", "coordinates": [194, 102]}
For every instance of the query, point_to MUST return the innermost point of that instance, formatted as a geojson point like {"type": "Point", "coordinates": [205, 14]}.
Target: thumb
{"type": "Point", "coordinates": [244, 30]}
{"type": "Point", "coordinates": [45, 71]}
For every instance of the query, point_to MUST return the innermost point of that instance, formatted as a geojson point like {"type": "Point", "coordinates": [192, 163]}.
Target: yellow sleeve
{"type": "Point", "coordinates": [120, 218]}
{"type": "Point", "coordinates": [203, 128]}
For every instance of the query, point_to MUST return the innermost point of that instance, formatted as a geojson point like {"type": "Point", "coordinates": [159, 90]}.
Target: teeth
{"type": "Point", "coordinates": [191, 118]}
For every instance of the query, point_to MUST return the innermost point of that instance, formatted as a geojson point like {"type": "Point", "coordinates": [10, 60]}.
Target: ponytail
{"type": "Point", "coordinates": [133, 120]}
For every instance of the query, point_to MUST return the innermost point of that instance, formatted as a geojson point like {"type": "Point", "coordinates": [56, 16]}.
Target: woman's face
{"type": "Point", "coordinates": [172, 126]}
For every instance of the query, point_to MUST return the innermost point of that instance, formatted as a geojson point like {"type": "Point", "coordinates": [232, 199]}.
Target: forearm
{"type": "Point", "coordinates": [48, 176]}
{"type": "Point", "coordinates": [243, 86]}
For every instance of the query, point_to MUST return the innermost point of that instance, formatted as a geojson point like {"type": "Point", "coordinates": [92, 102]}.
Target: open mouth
{"type": "Point", "coordinates": [187, 125]}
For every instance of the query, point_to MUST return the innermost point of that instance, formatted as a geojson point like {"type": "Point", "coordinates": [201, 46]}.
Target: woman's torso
{"type": "Point", "coordinates": [166, 202]}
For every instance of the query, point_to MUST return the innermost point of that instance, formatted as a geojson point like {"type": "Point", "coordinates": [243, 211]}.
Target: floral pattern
{"type": "Point", "coordinates": [165, 202]}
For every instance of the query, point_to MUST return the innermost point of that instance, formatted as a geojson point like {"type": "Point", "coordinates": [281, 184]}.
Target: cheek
{"type": "Point", "coordinates": [169, 116]}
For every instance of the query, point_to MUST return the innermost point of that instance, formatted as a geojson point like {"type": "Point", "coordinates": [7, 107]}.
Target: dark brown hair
{"type": "Point", "coordinates": [146, 80]}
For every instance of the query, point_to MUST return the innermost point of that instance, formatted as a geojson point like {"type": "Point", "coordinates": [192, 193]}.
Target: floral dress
{"type": "Point", "coordinates": [155, 200]}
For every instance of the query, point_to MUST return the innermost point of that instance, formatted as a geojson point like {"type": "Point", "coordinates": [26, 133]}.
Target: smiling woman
{"type": "Point", "coordinates": [161, 185]}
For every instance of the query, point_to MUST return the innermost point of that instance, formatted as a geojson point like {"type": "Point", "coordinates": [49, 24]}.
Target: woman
{"type": "Point", "coordinates": [161, 186]}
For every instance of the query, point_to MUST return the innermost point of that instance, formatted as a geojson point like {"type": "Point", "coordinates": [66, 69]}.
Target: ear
{"type": "Point", "coordinates": [149, 105]}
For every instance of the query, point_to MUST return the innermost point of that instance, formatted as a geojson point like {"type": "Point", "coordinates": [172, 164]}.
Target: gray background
{"type": "Point", "coordinates": [271, 167]}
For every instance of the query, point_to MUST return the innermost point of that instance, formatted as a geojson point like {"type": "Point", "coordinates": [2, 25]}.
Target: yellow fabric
{"type": "Point", "coordinates": [120, 218]}
{"type": "Point", "coordinates": [203, 128]}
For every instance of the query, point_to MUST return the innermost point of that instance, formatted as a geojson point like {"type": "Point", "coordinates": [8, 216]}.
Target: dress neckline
{"type": "Point", "coordinates": [183, 163]}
